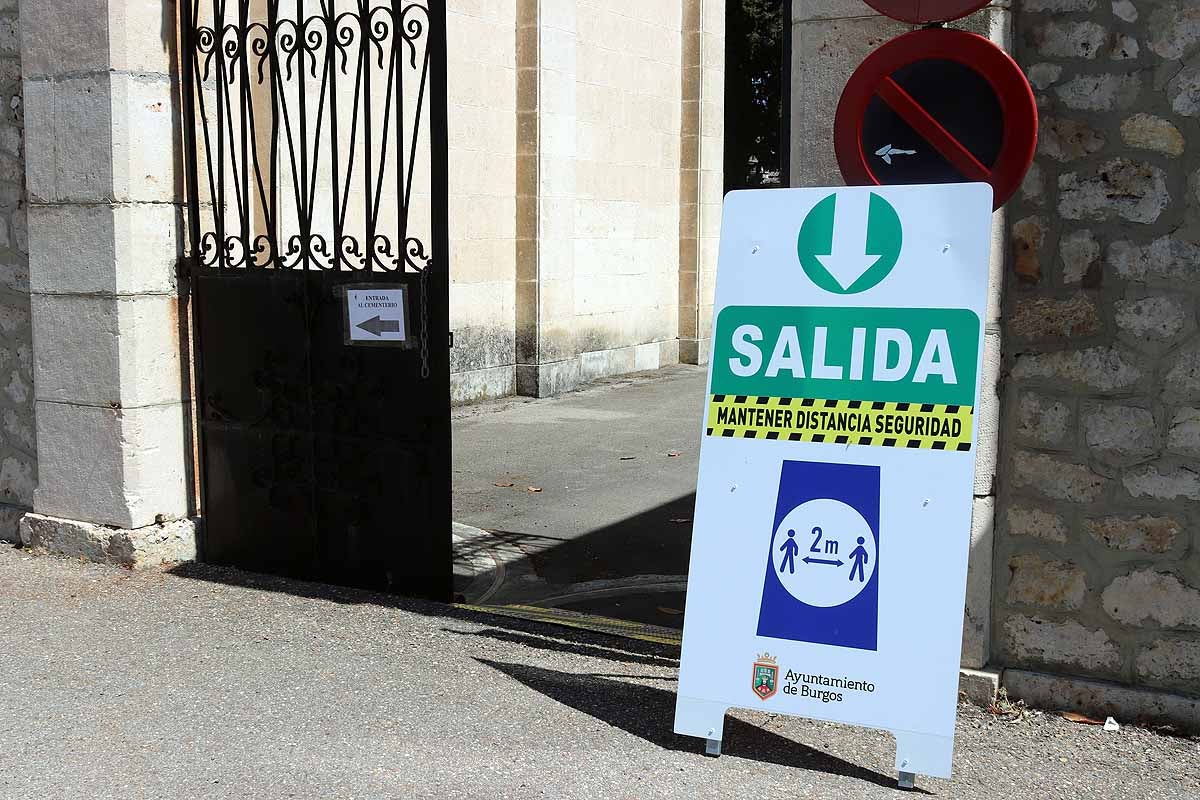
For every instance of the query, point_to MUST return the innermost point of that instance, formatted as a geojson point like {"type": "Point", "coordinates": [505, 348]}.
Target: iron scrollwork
{"type": "Point", "coordinates": [309, 114]}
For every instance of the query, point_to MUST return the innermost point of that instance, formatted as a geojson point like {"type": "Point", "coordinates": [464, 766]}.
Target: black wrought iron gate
{"type": "Point", "coordinates": [316, 151]}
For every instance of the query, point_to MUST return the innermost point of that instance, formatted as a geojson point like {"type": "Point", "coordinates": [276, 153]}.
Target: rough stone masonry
{"type": "Point", "coordinates": [18, 447]}
{"type": "Point", "coordinates": [1097, 569]}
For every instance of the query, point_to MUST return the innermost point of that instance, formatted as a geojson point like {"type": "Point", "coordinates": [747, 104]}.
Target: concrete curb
{"type": "Point", "coordinates": [979, 686]}
{"type": "Point", "coordinates": [1126, 704]}
{"type": "Point", "coordinates": [485, 561]}
{"type": "Point", "coordinates": [619, 587]}
{"type": "Point", "coordinates": [592, 623]}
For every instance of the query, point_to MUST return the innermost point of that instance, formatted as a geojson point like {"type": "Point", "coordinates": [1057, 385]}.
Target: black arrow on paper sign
{"type": "Point", "coordinates": [837, 563]}
{"type": "Point", "coordinates": [377, 326]}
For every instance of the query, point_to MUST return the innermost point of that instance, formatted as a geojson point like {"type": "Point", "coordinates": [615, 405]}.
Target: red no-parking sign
{"type": "Point", "coordinates": [920, 12]}
{"type": "Point", "coordinates": [937, 106]}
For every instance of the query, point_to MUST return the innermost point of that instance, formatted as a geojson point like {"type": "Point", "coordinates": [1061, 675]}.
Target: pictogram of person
{"type": "Point", "coordinates": [789, 548]}
{"type": "Point", "coordinates": [859, 554]}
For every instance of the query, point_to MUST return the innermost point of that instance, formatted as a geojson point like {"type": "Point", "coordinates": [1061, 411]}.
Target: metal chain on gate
{"type": "Point", "coordinates": [424, 281]}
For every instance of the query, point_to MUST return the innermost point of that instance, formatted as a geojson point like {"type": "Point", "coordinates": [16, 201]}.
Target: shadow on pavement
{"type": "Point", "coordinates": [654, 542]}
{"type": "Point", "coordinates": [264, 582]}
{"type": "Point", "coordinates": [541, 635]}
{"type": "Point", "coordinates": [464, 551]}
{"type": "Point", "coordinates": [620, 570]}
{"type": "Point", "coordinates": [647, 711]}
{"type": "Point", "coordinates": [644, 711]}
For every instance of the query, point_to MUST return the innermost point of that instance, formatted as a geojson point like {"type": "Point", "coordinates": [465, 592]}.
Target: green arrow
{"type": "Point", "coordinates": [850, 241]}
{"type": "Point", "coordinates": [848, 259]}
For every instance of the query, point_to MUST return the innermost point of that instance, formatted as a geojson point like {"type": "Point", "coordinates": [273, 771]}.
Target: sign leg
{"type": "Point", "coordinates": [907, 780]}
{"type": "Point", "coordinates": [922, 753]}
{"type": "Point", "coordinates": [703, 719]}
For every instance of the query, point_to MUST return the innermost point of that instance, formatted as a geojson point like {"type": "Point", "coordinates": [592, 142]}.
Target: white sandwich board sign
{"type": "Point", "coordinates": [833, 505]}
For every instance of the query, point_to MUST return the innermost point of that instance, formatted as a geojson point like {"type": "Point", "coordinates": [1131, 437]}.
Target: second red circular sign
{"type": "Point", "coordinates": [937, 106]}
{"type": "Point", "coordinates": [923, 11]}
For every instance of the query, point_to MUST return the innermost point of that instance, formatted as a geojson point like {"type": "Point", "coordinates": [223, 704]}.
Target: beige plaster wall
{"type": "Point", "coordinates": [482, 43]}
{"type": "Point", "coordinates": [627, 128]}
{"type": "Point", "coordinates": [585, 188]}
{"type": "Point", "coordinates": [599, 274]}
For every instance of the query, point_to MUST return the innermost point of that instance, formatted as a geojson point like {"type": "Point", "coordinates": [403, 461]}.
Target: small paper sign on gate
{"type": "Point", "coordinates": [377, 314]}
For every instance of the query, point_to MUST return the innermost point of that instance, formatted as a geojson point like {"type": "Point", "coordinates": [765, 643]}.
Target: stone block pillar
{"type": "Point", "coordinates": [547, 351]}
{"type": "Point", "coordinates": [701, 178]}
{"type": "Point", "coordinates": [830, 38]}
{"type": "Point", "coordinates": [105, 231]}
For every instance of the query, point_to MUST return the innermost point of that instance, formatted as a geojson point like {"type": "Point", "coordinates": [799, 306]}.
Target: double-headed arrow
{"type": "Point", "coordinates": [809, 560]}
{"type": "Point", "coordinates": [377, 326]}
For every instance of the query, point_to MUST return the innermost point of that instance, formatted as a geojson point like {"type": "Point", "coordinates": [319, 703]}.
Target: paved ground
{"type": "Point", "coordinates": [610, 529]}
{"type": "Point", "coordinates": [210, 683]}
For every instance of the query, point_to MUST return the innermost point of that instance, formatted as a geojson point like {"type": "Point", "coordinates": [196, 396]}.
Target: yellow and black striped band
{"type": "Point", "coordinates": [857, 422]}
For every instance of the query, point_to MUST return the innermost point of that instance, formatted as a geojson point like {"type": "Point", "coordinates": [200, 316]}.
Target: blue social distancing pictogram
{"type": "Point", "coordinates": [822, 576]}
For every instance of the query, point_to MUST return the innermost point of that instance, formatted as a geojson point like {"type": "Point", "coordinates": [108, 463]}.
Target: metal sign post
{"type": "Point", "coordinates": [833, 505]}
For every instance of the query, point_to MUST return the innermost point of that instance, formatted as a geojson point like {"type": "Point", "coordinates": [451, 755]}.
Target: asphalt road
{"type": "Point", "coordinates": [608, 530]}
{"type": "Point", "coordinates": [210, 683]}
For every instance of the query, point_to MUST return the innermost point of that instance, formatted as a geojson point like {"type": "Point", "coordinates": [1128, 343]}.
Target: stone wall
{"type": "Point", "coordinates": [18, 447]}
{"type": "Point", "coordinates": [1097, 570]}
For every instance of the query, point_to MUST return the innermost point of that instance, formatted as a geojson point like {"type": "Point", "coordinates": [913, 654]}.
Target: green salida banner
{"type": "Point", "coordinates": [902, 355]}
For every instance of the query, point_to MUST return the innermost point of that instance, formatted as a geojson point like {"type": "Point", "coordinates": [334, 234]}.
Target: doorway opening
{"type": "Point", "coordinates": [582, 504]}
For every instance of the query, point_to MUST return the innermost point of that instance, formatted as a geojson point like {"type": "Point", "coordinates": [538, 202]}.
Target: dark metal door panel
{"type": "Point", "coordinates": [254, 343]}
{"type": "Point", "coordinates": [379, 391]}
{"type": "Point", "coordinates": [373, 526]}
{"type": "Point", "coordinates": [258, 511]}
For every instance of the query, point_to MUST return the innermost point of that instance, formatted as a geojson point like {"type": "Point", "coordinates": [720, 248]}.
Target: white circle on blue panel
{"type": "Point", "coordinates": [824, 553]}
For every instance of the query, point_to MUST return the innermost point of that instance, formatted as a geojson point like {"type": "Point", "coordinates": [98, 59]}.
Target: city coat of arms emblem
{"type": "Point", "coordinates": [765, 677]}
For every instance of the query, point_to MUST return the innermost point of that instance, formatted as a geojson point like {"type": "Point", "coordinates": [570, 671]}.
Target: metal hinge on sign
{"type": "Point", "coordinates": [452, 339]}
